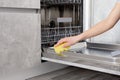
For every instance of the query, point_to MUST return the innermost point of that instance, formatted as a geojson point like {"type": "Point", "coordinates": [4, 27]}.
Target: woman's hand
{"type": "Point", "coordinates": [69, 41]}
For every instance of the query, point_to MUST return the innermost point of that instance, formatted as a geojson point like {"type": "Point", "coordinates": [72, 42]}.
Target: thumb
{"type": "Point", "coordinates": [60, 42]}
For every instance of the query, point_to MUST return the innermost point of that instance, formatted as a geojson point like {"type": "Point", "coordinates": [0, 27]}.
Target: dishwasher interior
{"type": "Point", "coordinates": [64, 18]}
{"type": "Point", "coordinates": [60, 18]}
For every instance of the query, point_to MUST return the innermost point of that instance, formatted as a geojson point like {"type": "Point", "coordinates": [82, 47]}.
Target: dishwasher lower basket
{"type": "Point", "coordinates": [52, 35]}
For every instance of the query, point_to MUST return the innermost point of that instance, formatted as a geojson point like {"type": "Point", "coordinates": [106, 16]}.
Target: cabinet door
{"type": "Point", "coordinates": [20, 3]}
{"type": "Point", "coordinates": [19, 41]}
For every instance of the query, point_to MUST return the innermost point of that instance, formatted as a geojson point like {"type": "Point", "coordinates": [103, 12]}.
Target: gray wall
{"type": "Point", "coordinates": [101, 9]}
{"type": "Point", "coordinates": [20, 50]}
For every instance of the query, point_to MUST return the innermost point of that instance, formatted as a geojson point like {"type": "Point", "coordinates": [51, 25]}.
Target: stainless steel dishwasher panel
{"type": "Point", "coordinates": [99, 59]}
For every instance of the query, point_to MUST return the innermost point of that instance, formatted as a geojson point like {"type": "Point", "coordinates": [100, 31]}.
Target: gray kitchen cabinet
{"type": "Point", "coordinates": [19, 41]}
{"type": "Point", "coordinates": [20, 3]}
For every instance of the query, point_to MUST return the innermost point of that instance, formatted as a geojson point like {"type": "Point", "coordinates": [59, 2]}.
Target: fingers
{"type": "Point", "coordinates": [57, 44]}
{"type": "Point", "coordinates": [60, 42]}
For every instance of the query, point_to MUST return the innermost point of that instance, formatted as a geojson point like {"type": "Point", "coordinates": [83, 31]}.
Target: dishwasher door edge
{"type": "Point", "coordinates": [83, 66]}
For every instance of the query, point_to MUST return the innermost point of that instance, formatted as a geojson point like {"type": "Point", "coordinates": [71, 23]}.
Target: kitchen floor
{"type": "Point", "coordinates": [73, 73]}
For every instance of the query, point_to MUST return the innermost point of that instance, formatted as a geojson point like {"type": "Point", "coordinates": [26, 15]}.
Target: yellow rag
{"type": "Point", "coordinates": [59, 49]}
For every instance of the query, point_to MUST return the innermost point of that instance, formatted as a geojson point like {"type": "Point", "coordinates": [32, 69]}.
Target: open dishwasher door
{"type": "Point", "coordinates": [92, 56]}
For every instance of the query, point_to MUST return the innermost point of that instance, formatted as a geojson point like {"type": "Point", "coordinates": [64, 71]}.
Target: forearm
{"type": "Point", "coordinates": [99, 28]}
{"type": "Point", "coordinates": [102, 26]}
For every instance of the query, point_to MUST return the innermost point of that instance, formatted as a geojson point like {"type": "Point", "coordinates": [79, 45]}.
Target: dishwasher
{"type": "Point", "coordinates": [64, 18]}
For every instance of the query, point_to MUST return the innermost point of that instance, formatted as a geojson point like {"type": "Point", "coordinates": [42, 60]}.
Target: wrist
{"type": "Point", "coordinates": [79, 38]}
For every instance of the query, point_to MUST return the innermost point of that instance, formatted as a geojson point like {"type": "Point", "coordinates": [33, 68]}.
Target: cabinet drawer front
{"type": "Point", "coordinates": [20, 3]}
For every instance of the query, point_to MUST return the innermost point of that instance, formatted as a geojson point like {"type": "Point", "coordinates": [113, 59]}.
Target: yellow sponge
{"type": "Point", "coordinates": [59, 49]}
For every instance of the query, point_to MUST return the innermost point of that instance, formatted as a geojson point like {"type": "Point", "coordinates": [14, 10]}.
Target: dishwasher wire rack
{"type": "Point", "coordinates": [52, 35]}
